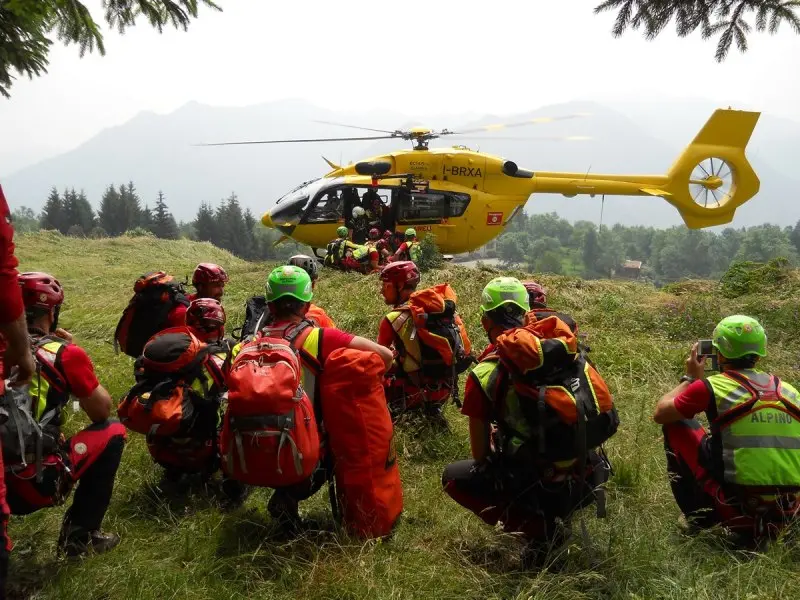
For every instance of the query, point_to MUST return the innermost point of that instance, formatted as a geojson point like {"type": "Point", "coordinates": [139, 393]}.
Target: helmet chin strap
{"type": "Point", "coordinates": [54, 324]}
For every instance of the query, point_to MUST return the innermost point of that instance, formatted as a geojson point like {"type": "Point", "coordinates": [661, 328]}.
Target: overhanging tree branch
{"type": "Point", "coordinates": [26, 27]}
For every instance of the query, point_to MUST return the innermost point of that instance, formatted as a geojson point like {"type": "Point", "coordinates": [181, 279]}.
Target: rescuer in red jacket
{"type": "Point", "coordinates": [15, 351]}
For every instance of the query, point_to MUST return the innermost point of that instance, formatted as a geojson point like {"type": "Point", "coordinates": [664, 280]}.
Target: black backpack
{"type": "Point", "coordinates": [156, 294]}
{"type": "Point", "coordinates": [255, 312]}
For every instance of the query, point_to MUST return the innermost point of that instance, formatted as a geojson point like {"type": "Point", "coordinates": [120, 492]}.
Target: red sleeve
{"type": "Point", "coordinates": [695, 399]}
{"type": "Point", "coordinates": [333, 339]}
{"type": "Point", "coordinates": [475, 404]}
{"type": "Point", "coordinates": [177, 316]}
{"type": "Point", "coordinates": [10, 296]}
{"type": "Point", "coordinates": [79, 371]}
{"type": "Point", "coordinates": [403, 248]}
{"type": "Point", "coordinates": [385, 333]}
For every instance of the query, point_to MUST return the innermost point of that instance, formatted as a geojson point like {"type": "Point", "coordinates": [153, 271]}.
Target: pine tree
{"type": "Point", "coordinates": [164, 225]}
{"type": "Point", "coordinates": [131, 204]}
{"type": "Point", "coordinates": [205, 223]}
{"type": "Point", "coordinates": [250, 228]}
{"type": "Point", "coordinates": [53, 213]}
{"type": "Point", "coordinates": [232, 232]}
{"type": "Point", "coordinates": [146, 219]}
{"type": "Point", "coordinates": [110, 215]}
{"type": "Point", "coordinates": [78, 213]}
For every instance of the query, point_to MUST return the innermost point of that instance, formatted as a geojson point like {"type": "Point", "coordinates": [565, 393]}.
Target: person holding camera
{"type": "Point", "coordinates": [744, 473]}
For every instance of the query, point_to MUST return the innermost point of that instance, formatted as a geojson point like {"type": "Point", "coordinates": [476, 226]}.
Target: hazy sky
{"type": "Point", "coordinates": [420, 57]}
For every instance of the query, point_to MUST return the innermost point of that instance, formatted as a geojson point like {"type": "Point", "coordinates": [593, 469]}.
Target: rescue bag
{"type": "Point", "coordinates": [565, 407]}
{"type": "Point", "coordinates": [433, 337]}
{"type": "Point", "coordinates": [156, 294]}
{"type": "Point", "coordinates": [269, 433]}
{"type": "Point", "coordinates": [361, 441]}
{"type": "Point", "coordinates": [163, 401]}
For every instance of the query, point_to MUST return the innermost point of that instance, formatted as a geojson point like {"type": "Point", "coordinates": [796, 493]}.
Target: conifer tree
{"type": "Point", "coordinates": [78, 212]}
{"type": "Point", "coordinates": [131, 206]}
{"type": "Point", "coordinates": [111, 212]}
{"type": "Point", "coordinates": [53, 213]}
{"type": "Point", "coordinates": [164, 225]}
{"type": "Point", "coordinates": [205, 223]}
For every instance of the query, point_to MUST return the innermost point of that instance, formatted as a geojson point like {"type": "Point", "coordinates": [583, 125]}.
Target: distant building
{"type": "Point", "coordinates": [630, 269]}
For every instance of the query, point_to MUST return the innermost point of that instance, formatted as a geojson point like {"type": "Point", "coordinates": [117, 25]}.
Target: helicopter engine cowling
{"type": "Point", "coordinates": [373, 167]}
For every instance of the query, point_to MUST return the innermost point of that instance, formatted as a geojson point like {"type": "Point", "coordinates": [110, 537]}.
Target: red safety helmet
{"type": "Point", "coordinates": [401, 274]}
{"type": "Point", "coordinates": [374, 233]}
{"type": "Point", "coordinates": [537, 295]}
{"type": "Point", "coordinates": [209, 273]}
{"type": "Point", "coordinates": [206, 314]}
{"type": "Point", "coordinates": [40, 290]}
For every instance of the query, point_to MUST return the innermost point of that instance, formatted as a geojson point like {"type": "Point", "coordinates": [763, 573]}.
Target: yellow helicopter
{"type": "Point", "coordinates": [466, 198]}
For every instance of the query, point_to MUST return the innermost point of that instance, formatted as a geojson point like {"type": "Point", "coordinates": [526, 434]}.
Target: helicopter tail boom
{"type": "Point", "coordinates": [707, 183]}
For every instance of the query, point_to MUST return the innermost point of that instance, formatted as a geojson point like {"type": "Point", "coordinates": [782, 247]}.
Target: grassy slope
{"type": "Point", "coordinates": [189, 549]}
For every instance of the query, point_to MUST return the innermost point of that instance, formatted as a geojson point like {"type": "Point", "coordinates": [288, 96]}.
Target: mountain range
{"type": "Point", "coordinates": [160, 152]}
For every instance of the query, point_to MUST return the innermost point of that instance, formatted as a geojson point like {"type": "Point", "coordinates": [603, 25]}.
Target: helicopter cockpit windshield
{"type": "Point", "coordinates": [291, 207]}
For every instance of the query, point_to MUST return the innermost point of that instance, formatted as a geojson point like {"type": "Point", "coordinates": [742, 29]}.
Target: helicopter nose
{"type": "Point", "coordinates": [266, 221]}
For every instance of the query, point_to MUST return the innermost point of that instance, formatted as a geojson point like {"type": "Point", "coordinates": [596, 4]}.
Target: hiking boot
{"type": "Point", "coordinates": [285, 510]}
{"type": "Point", "coordinates": [538, 551]}
{"type": "Point", "coordinates": [235, 494]}
{"type": "Point", "coordinates": [436, 418]}
{"type": "Point", "coordinates": [78, 541]}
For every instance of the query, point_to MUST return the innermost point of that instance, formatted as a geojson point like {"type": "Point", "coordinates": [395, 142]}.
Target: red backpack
{"type": "Point", "coordinates": [163, 403]}
{"type": "Point", "coordinates": [269, 434]}
{"type": "Point", "coordinates": [155, 295]}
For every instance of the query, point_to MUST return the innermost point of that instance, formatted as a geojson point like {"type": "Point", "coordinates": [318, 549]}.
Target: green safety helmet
{"type": "Point", "coordinates": [342, 232]}
{"type": "Point", "coordinates": [504, 290]}
{"type": "Point", "coordinates": [739, 336]}
{"type": "Point", "coordinates": [289, 280]}
{"type": "Point", "coordinates": [411, 233]}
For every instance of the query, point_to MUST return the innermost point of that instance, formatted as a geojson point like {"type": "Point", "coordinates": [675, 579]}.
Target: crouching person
{"type": "Point", "coordinates": [43, 466]}
{"type": "Point", "coordinates": [537, 413]}
{"type": "Point", "coordinates": [744, 473]}
{"type": "Point", "coordinates": [176, 401]}
{"type": "Point", "coordinates": [274, 432]}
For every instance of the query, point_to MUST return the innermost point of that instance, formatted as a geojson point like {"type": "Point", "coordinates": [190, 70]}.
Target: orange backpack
{"type": "Point", "coordinates": [445, 350]}
{"type": "Point", "coordinates": [361, 442]}
{"type": "Point", "coordinates": [269, 433]}
{"type": "Point", "coordinates": [163, 403]}
{"type": "Point", "coordinates": [563, 399]}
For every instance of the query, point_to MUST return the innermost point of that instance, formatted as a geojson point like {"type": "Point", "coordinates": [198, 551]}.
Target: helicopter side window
{"type": "Point", "coordinates": [422, 208]}
{"type": "Point", "coordinates": [457, 204]}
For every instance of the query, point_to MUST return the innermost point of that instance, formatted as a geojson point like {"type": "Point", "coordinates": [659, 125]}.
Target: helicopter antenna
{"type": "Point", "coordinates": [585, 177]}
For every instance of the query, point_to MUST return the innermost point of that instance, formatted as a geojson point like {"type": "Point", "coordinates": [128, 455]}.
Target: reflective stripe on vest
{"type": "Point", "coordinates": [760, 446]}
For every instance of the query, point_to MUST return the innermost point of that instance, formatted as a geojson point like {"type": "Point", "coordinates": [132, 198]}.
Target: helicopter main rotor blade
{"type": "Point", "coordinates": [566, 138]}
{"type": "Point", "coordinates": [354, 127]}
{"type": "Point", "coordinates": [306, 141]}
{"type": "Point", "coordinates": [534, 121]}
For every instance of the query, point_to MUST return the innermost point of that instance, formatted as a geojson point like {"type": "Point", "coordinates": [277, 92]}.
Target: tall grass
{"type": "Point", "coordinates": [186, 547]}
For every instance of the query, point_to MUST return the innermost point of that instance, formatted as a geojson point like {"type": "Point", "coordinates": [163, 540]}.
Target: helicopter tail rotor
{"type": "Point", "coordinates": [712, 177]}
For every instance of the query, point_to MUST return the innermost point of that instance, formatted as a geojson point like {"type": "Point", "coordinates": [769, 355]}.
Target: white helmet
{"type": "Point", "coordinates": [358, 212]}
